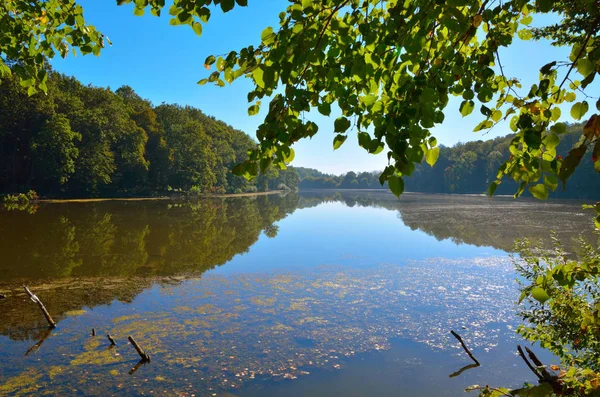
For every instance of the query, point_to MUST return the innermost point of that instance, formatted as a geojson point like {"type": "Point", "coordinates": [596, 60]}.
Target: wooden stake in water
{"type": "Point", "coordinates": [137, 347]}
{"type": "Point", "coordinates": [37, 300]}
{"type": "Point", "coordinates": [112, 341]}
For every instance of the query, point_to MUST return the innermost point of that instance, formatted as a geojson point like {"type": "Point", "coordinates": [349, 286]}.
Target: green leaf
{"type": "Point", "coordinates": [558, 128]}
{"type": "Point", "coordinates": [324, 109]}
{"type": "Point", "coordinates": [389, 170]}
{"type": "Point", "coordinates": [570, 96]}
{"type": "Point", "coordinates": [210, 60]}
{"type": "Point", "coordinates": [338, 141]}
{"type": "Point", "coordinates": [485, 111]}
{"type": "Point", "coordinates": [492, 188]}
{"type": "Point", "coordinates": [527, 20]}
{"type": "Point", "coordinates": [253, 110]}
{"type": "Point", "coordinates": [579, 109]}
{"type": "Point", "coordinates": [183, 17]}
{"type": "Point", "coordinates": [138, 11]}
{"type": "Point", "coordinates": [258, 76]}
{"type": "Point", "coordinates": [585, 67]}
{"type": "Point", "coordinates": [551, 182]}
{"type": "Point", "coordinates": [228, 75]}
{"type": "Point", "coordinates": [227, 5]}
{"type": "Point", "coordinates": [369, 100]}
{"type": "Point", "coordinates": [364, 140]}
{"type": "Point", "coordinates": [547, 68]}
{"type": "Point", "coordinates": [596, 156]}
{"type": "Point", "coordinates": [432, 156]}
{"type": "Point", "coordinates": [220, 64]}
{"type": "Point", "coordinates": [541, 390]}
{"type": "Point", "coordinates": [341, 124]}
{"type": "Point", "coordinates": [242, 3]}
{"type": "Point", "coordinates": [197, 26]}
{"type": "Point", "coordinates": [539, 294]}
{"type": "Point", "coordinates": [239, 169]}
{"type": "Point", "coordinates": [396, 185]}
{"type": "Point", "coordinates": [539, 191]}
{"type": "Point", "coordinates": [466, 107]}
{"type": "Point", "coordinates": [289, 156]}
{"type": "Point", "coordinates": [202, 82]}
{"type": "Point", "coordinates": [525, 34]}
{"type": "Point", "coordinates": [545, 5]}
{"type": "Point", "coordinates": [214, 76]}
{"type": "Point", "coordinates": [267, 36]}
{"type": "Point", "coordinates": [552, 141]}
{"type": "Point", "coordinates": [375, 147]}
{"type": "Point", "coordinates": [497, 115]}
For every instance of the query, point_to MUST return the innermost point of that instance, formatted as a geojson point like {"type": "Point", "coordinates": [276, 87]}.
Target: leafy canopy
{"type": "Point", "coordinates": [391, 67]}
{"type": "Point", "coordinates": [31, 31]}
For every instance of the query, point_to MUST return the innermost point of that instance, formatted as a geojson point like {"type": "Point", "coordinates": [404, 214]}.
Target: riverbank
{"type": "Point", "coordinates": [100, 199]}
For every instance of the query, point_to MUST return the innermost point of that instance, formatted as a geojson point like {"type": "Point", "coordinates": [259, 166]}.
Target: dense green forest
{"type": "Point", "coordinates": [466, 168]}
{"type": "Point", "coordinates": [88, 141]}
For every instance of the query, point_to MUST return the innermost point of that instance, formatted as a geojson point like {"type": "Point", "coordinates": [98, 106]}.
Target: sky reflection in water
{"type": "Point", "coordinates": [356, 236]}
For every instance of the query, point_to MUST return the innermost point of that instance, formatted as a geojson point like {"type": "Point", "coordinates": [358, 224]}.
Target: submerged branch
{"type": "Point", "coordinates": [37, 300]}
{"type": "Point", "coordinates": [531, 367]}
{"type": "Point", "coordinates": [466, 349]}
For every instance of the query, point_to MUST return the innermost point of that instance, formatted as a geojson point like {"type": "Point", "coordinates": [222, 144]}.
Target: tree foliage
{"type": "Point", "coordinates": [85, 141]}
{"type": "Point", "coordinates": [390, 66]}
{"type": "Point", "coordinates": [31, 31]}
{"type": "Point", "coordinates": [466, 168]}
{"type": "Point", "coordinates": [559, 307]}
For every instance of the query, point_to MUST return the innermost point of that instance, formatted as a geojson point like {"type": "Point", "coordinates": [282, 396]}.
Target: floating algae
{"type": "Point", "coordinates": [220, 342]}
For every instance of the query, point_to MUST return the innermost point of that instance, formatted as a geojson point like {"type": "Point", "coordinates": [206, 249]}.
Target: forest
{"type": "Point", "coordinates": [86, 141]}
{"type": "Point", "coordinates": [466, 168]}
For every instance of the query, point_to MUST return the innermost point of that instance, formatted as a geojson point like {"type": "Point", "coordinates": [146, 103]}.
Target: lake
{"type": "Point", "coordinates": [326, 293]}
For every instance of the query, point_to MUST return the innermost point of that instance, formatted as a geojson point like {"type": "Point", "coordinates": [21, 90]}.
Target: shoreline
{"type": "Point", "coordinates": [159, 198]}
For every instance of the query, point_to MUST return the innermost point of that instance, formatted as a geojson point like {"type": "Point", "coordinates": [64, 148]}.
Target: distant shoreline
{"type": "Point", "coordinates": [160, 198]}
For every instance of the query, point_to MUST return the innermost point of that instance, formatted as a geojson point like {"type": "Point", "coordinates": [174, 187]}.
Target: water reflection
{"type": "Point", "coordinates": [117, 239]}
{"type": "Point", "coordinates": [474, 220]}
{"type": "Point", "coordinates": [109, 239]}
{"type": "Point", "coordinates": [297, 302]}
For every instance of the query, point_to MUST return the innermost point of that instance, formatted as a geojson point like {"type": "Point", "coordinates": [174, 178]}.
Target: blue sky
{"type": "Point", "coordinates": [163, 63]}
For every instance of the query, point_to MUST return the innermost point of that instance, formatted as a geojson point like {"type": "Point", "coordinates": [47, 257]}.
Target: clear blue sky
{"type": "Point", "coordinates": [163, 63]}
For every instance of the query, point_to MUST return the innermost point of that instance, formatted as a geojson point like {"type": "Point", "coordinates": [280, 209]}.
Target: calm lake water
{"type": "Point", "coordinates": [311, 294]}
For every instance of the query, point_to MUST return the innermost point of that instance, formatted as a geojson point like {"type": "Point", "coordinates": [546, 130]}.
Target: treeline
{"type": "Point", "coordinates": [470, 168]}
{"type": "Point", "coordinates": [86, 141]}
{"type": "Point", "coordinates": [314, 179]}
{"type": "Point", "coordinates": [467, 168]}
